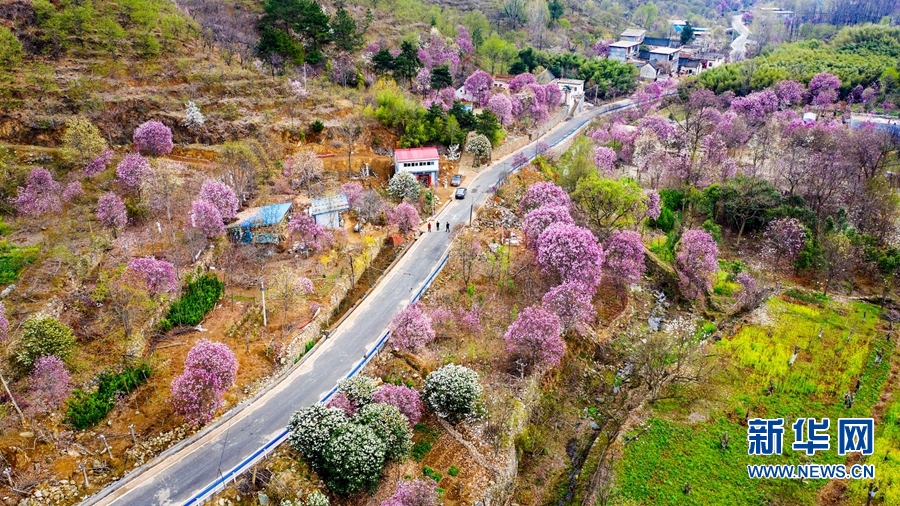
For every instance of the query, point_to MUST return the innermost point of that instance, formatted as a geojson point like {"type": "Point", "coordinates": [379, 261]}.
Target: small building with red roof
{"type": "Point", "coordinates": [424, 163]}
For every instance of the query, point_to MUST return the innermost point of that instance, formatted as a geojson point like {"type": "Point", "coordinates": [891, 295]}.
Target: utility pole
{"type": "Point", "coordinates": [471, 210]}
{"type": "Point", "coordinates": [16, 404]}
{"type": "Point", "coordinates": [262, 288]}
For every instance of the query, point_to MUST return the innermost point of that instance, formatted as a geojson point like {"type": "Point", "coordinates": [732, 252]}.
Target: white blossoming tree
{"type": "Point", "coordinates": [452, 391]}
{"type": "Point", "coordinates": [193, 118]}
{"type": "Point", "coordinates": [404, 186]}
{"type": "Point", "coordinates": [480, 146]}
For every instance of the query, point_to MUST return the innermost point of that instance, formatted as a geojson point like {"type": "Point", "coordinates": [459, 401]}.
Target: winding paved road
{"type": "Point", "coordinates": [739, 45]}
{"type": "Point", "coordinates": [194, 470]}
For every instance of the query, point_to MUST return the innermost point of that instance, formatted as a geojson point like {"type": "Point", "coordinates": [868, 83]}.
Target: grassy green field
{"type": "Point", "coordinates": [671, 450]}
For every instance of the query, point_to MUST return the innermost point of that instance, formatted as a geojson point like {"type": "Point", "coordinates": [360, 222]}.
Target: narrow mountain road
{"type": "Point", "coordinates": [739, 45]}
{"type": "Point", "coordinates": [196, 469]}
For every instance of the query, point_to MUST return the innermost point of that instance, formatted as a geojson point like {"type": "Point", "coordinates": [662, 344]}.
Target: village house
{"type": "Point", "coordinates": [424, 163]}
{"type": "Point", "coordinates": [327, 210]}
{"type": "Point", "coordinates": [260, 225]}
{"type": "Point", "coordinates": [623, 50]}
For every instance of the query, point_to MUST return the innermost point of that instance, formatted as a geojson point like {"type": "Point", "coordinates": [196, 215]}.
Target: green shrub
{"type": "Point", "coordinates": [199, 298]}
{"type": "Point", "coordinates": [426, 436]}
{"type": "Point", "coordinates": [85, 409]}
{"type": "Point", "coordinates": [41, 336]}
{"type": "Point", "coordinates": [317, 127]}
{"type": "Point", "coordinates": [453, 471]}
{"type": "Point", "coordinates": [13, 259]}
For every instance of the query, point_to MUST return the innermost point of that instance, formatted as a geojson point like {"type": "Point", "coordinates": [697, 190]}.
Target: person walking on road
{"type": "Point", "coordinates": [429, 226]}
{"type": "Point", "coordinates": [448, 226]}
{"type": "Point", "coordinates": [438, 225]}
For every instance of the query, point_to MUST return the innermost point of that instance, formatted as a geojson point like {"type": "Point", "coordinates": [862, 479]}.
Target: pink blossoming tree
{"type": "Point", "coordinates": [72, 191]}
{"type": "Point", "coordinates": [543, 194]}
{"type": "Point", "coordinates": [99, 164]}
{"type": "Point", "coordinates": [49, 384]}
{"type": "Point", "coordinates": [696, 260]}
{"type": "Point", "coordinates": [478, 86]}
{"type": "Point", "coordinates": [157, 275]}
{"type": "Point", "coordinates": [131, 171]}
{"type": "Point", "coordinates": [624, 256]}
{"type": "Point", "coordinates": [209, 371]}
{"type": "Point", "coordinates": [535, 222]}
{"type": "Point", "coordinates": [406, 399]}
{"type": "Point", "coordinates": [40, 196]}
{"type": "Point", "coordinates": [404, 217]}
{"type": "Point", "coordinates": [222, 196]}
{"type": "Point", "coordinates": [310, 234]}
{"type": "Point", "coordinates": [784, 238]}
{"type": "Point", "coordinates": [153, 138]}
{"type": "Point", "coordinates": [205, 217]}
{"type": "Point", "coordinates": [414, 493]}
{"type": "Point", "coordinates": [535, 337]}
{"type": "Point", "coordinates": [571, 253]}
{"type": "Point", "coordinates": [571, 302]}
{"type": "Point", "coordinates": [411, 328]}
{"type": "Point", "coordinates": [111, 212]}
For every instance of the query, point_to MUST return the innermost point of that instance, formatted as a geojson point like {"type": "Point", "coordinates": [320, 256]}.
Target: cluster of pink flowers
{"type": "Point", "coordinates": [411, 328]}
{"type": "Point", "coordinates": [536, 337]}
{"type": "Point", "coordinates": [48, 384]}
{"type": "Point", "coordinates": [414, 493]}
{"type": "Point", "coordinates": [222, 196]}
{"type": "Point", "coordinates": [437, 52]}
{"type": "Point", "coordinates": [111, 212]}
{"type": "Point", "coordinates": [571, 253]}
{"type": "Point", "coordinates": [312, 235]}
{"type": "Point", "coordinates": [40, 195]}
{"type": "Point", "coordinates": [131, 171]}
{"type": "Point", "coordinates": [696, 260]}
{"type": "Point", "coordinates": [572, 303]}
{"type": "Point", "coordinates": [406, 399]}
{"type": "Point", "coordinates": [153, 138]}
{"type": "Point", "coordinates": [624, 256]}
{"type": "Point", "coordinates": [99, 164]}
{"type": "Point", "coordinates": [404, 217]}
{"type": "Point", "coordinates": [205, 216]}
{"type": "Point", "coordinates": [209, 371]}
{"type": "Point", "coordinates": [535, 222]}
{"type": "Point", "coordinates": [543, 194]}
{"type": "Point", "coordinates": [157, 275]}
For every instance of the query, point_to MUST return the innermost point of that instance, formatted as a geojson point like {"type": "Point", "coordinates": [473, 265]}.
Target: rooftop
{"type": "Point", "coordinates": [624, 43]}
{"type": "Point", "coordinates": [633, 32]}
{"type": "Point", "coordinates": [329, 204]}
{"type": "Point", "coordinates": [665, 50]}
{"type": "Point", "coordinates": [261, 216]}
{"type": "Point", "coordinates": [415, 154]}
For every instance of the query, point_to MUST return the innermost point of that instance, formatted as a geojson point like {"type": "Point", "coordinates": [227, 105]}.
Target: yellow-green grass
{"type": "Point", "coordinates": [673, 451]}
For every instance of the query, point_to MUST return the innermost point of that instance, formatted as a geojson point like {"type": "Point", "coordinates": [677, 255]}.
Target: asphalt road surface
{"type": "Point", "coordinates": [180, 476]}
{"type": "Point", "coordinates": [739, 45]}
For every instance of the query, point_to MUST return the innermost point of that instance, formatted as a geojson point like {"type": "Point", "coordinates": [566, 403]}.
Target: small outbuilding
{"type": "Point", "coordinates": [260, 225]}
{"type": "Point", "coordinates": [327, 211]}
{"type": "Point", "coordinates": [424, 163]}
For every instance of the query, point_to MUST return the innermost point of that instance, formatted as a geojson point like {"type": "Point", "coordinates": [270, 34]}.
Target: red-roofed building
{"type": "Point", "coordinates": [423, 163]}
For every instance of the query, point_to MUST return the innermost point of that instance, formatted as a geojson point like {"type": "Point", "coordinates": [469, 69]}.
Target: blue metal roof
{"type": "Point", "coordinates": [262, 216]}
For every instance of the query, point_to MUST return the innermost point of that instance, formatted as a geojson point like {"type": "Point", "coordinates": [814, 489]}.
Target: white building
{"type": "Point", "coordinates": [424, 163]}
{"type": "Point", "coordinates": [572, 90]}
{"type": "Point", "coordinates": [633, 35]}
{"type": "Point", "coordinates": [327, 211]}
{"type": "Point", "coordinates": [623, 50]}
{"type": "Point", "coordinates": [666, 54]}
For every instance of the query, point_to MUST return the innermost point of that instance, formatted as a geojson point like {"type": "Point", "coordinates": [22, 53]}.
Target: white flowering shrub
{"type": "Point", "coordinates": [390, 425]}
{"type": "Point", "coordinates": [353, 459]}
{"type": "Point", "coordinates": [311, 429]}
{"type": "Point", "coordinates": [480, 146]}
{"type": "Point", "coordinates": [404, 186]}
{"type": "Point", "coordinates": [316, 498]}
{"type": "Point", "coordinates": [193, 118]}
{"type": "Point", "coordinates": [452, 391]}
{"type": "Point", "coordinates": [358, 389]}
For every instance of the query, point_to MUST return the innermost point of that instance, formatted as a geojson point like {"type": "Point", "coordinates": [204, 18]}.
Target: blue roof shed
{"type": "Point", "coordinates": [260, 224]}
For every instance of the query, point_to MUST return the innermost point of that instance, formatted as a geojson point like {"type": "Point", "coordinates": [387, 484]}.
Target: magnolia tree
{"type": "Point", "coordinates": [354, 192]}
{"type": "Point", "coordinates": [696, 260]}
{"type": "Point", "coordinates": [131, 171]}
{"type": "Point", "coordinates": [209, 371]}
{"type": "Point", "coordinates": [536, 221]}
{"type": "Point", "coordinates": [222, 196]}
{"type": "Point", "coordinates": [40, 196]}
{"type": "Point", "coordinates": [543, 194]}
{"type": "Point", "coordinates": [193, 118]}
{"type": "Point", "coordinates": [478, 86]}
{"type": "Point", "coordinates": [411, 328]}
{"type": "Point", "coordinates": [353, 459]}
{"type": "Point", "coordinates": [654, 205]}
{"type": "Point", "coordinates": [480, 147]}
{"type": "Point", "coordinates": [464, 41]}
{"type": "Point", "coordinates": [111, 212]}
{"type": "Point", "coordinates": [452, 391]}
{"type": "Point", "coordinates": [789, 93]}
{"type": "Point", "coordinates": [99, 164]}
{"type": "Point", "coordinates": [158, 276]}
{"type": "Point", "coordinates": [153, 138]}
{"type": "Point", "coordinates": [519, 82]}
{"type": "Point", "coordinates": [311, 429]}
{"type": "Point", "coordinates": [49, 384]}
{"type": "Point", "coordinates": [605, 160]}
{"type": "Point", "coordinates": [535, 337]}
{"type": "Point", "coordinates": [414, 493]}
{"type": "Point", "coordinates": [823, 89]}
{"type": "Point", "coordinates": [500, 105]}
{"type": "Point", "coordinates": [406, 399]}
{"type": "Point", "coordinates": [404, 217]}
{"type": "Point", "coordinates": [784, 238]}
{"type": "Point", "coordinates": [390, 425]}
{"type": "Point", "coordinates": [72, 192]}
{"type": "Point", "coordinates": [624, 256]}
{"type": "Point", "coordinates": [311, 235]}
{"type": "Point", "coordinates": [340, 401]}
{"type": "Point", "coordinates": [571, 253]}
{"type": "Point", "coordinates": [404, 186]}
{"type": "Point", "coordinates": [572, 303]}
{"type": "Point", "coordinates": [206, 218]}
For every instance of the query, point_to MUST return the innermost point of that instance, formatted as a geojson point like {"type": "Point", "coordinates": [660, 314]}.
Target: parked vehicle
{"type": "Point", "coordinates": [456, 180]}
{"type": "Point", "coordinates": [460, 193]}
